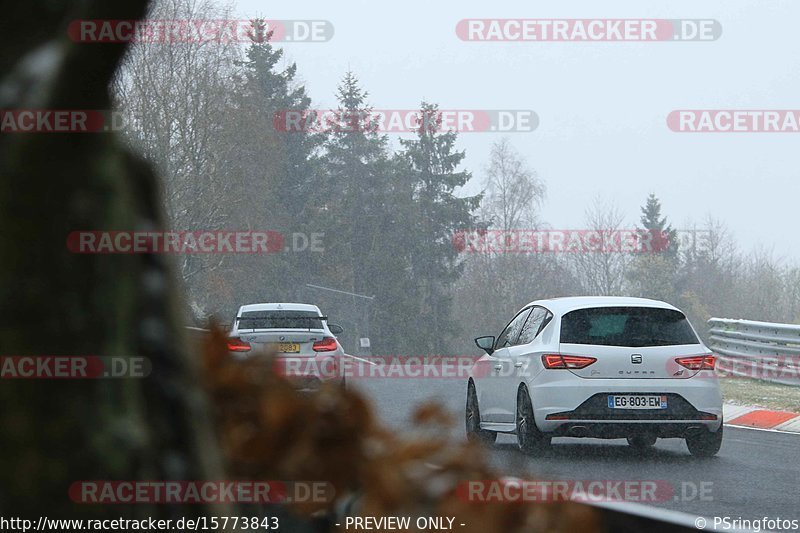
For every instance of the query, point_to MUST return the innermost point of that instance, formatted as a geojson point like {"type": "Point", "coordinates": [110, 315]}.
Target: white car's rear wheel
{"type": "Point", "coordinates": [529, 439]}
{"type": "Point", "coordinates": [704, 443]}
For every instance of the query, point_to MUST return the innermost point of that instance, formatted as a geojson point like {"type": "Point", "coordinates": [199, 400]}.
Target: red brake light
{"type": "Point", "coordinates": [574, 362]}
{"type": "Point", "coordinates": [698, 362]}
{"type": "Point", "coordinates": [328, 344]}
{"type": "Point", "coordinates": [553, 361]}
{"type": "Point", "coordinates": [235, 344]}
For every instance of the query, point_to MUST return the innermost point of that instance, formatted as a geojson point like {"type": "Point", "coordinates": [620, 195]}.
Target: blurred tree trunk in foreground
{"type": "Point", "coordinates": [53, 302]}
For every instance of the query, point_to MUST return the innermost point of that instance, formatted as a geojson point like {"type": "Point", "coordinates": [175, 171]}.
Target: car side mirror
{"type": "Point", "coordinates": [336, 329]}
{"type": "Point", "coordinates": [486, 343]}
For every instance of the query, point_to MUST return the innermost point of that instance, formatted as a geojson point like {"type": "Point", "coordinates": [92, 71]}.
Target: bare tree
{"type": "Point", "coordinates": [712, 271]}
{"type": "Point", "coordinates": [791, 294]}
{"type": "Point", "coordinates": [495, 284]}
{"type": "Point", "coordinates": [513, 191]}
{"type": "Point", "coordinates": [176, 100]}
{"type": "Point", "coordinates": [602, 272]}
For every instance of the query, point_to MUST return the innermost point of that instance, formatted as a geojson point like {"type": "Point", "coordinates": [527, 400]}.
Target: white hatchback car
{"type": "Point", "coordinates": [306, 345]}
{"type": "Point", "coordinates": [603, 367]}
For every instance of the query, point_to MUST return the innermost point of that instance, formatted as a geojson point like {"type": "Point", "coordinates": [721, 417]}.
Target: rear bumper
{"type": "Point", "coordinates": [619, 430]}
{"type": "Point", "coordinates": [308, 372]}
{"type": "Point", "coordinates": [572, 406]}
{"type": "Point", "coordinates": [307, 383]}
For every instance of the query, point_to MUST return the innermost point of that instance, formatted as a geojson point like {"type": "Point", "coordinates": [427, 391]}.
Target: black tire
{"type": "Point", "coordinates": [642, 442]}
{"type": "Point", "coordinates": [472, 419]}
{"type": "Point", "coordinates": [704, 443]}
{"type": "Point", "coordinates": [529, 439]}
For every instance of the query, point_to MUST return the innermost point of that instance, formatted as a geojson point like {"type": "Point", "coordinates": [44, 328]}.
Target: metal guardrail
{"type": "Point", "coordinates": [761, 350]}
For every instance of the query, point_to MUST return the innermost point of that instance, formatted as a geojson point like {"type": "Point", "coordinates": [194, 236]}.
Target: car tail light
{"type": "Point", "coordinates": [557, 360]}
{"type": "Point", "coordinates": [235, 344]}
{"type": "Point", "coordinates": [328, 344]}
{"type": "Point", "coordinates": [698, 362]}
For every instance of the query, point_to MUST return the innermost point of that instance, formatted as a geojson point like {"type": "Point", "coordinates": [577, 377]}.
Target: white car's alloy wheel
{"type": "Point", "coordinates": [473, 419]}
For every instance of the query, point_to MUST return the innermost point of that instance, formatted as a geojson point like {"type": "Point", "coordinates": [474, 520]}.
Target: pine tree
{"type": "Point", "coordinates": [365, 212]}
{"type": "Point", "coordinates": [656, 275]}
{"type": "Point", "coordinates": [276, 171]}
{"type": "Point", "coordinates": [431, 163]}
{"type": "Point", "coordinates": [274, 92]}
{"type": "Point", "coordinates": [662, 232]}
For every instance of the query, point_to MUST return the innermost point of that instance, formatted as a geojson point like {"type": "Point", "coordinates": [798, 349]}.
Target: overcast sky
{"type": "Point", "coordinates": [602, 106]}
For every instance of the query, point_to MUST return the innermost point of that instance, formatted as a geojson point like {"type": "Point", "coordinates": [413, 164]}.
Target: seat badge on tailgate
{"type": "Point", "coordinates": [636, 358]}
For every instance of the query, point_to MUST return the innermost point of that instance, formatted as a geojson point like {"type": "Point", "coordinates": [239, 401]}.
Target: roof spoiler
{"type": "Point", "coordinates": [292, 317]}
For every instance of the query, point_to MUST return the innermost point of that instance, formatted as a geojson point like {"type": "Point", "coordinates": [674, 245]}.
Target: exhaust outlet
{"type": "Point", "coordinates": [578, 431]}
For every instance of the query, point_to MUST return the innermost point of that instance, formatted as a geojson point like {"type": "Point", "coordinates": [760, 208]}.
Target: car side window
{"type": "Point", "coordinates": [510, 335]}
{"type": "Point", "coordinates": [547, 319]}
{"type": "Point", "coordinates": [533, 325]}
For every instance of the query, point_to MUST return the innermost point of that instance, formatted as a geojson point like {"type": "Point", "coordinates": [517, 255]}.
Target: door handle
{"type": "Point", "coordinates": [518, 364]}
{"type": "Point", "coordinates": [498, 367]}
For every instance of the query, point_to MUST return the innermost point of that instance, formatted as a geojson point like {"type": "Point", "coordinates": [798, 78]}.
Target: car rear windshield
{"type": "Point", "coordinates": [626, 326]}
{"type": "Point", "coordinates": [279, 319]}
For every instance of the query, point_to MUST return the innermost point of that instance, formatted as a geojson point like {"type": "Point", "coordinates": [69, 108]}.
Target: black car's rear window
{"type": "Point", "coordinates": [626, 326]}
{"type": "Point", "coordinates": [279, 319]}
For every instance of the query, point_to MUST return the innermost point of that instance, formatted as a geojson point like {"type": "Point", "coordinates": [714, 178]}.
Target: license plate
{"type": "Point", "coordinates": [636, 401]}
{"type": "Point", "coordinates": [288, 347]}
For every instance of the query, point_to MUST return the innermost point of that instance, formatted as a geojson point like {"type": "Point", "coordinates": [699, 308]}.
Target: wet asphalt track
{"type": "Point", "coordinates": [756, 473]}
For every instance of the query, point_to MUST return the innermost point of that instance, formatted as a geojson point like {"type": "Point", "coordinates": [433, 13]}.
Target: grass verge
{"type": "Point", "coordinates": [745, 391]}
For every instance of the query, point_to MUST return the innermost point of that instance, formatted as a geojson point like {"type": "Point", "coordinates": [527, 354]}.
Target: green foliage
{"type": "Point", "coordinates": [431, 164]}
{"type": "Point", "coordinates": [391, 219]}
{"type": "Point", "coordinates": [652, 221]}
{"type": "Point", "coordinates": [655, 275]}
